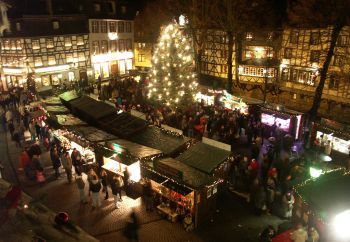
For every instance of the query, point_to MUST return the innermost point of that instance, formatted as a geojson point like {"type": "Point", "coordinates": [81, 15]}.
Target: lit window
{"type": "Point", "coordinates": [338, 60]}
{"type": "Point", "coordinates": [315, 56]}
{"type": "Point", "coordinates": [141, 45]}
{"type": "Point", "coordinates": [67, 41]}
{"type": "Point", "coordinates": [287, 53]}
{"type": "Point", "coordinates": [38, 61]}
{"type": "Point", "coordinates": [35, 44]}
{"type": "Point", "coordinates": [111, 7]}
{"type": "Point", "coordinates": [113, 45]}
{"type": "Point", "coordinates": [18, 26]}
{"type": "Point", "coordinates": [51, 60]}
{"type": "Point", "coordinates": [97, 7]}
{"type": "Point", "coordinates": [80, 40]}
{"type": "Point", "coordinates": [128, 27]}
{"type": "Point", "coordinates": [121, 27]}
{"type": "Point", "coordinates": [343, 40]}
{"type": "Point", "coordinates": [112, 27]}
{"type": "Point", "coordinates": [49, 43]}
{"type": "Point", "coordinates": [128, 44]}
{"type": "Point", "coordinates": [69, 58]}
{"type": "Point", "coordinates": [141, 58]}
{"type": "Point", "coordinates": [103, 27]}
{"type": "Point", "coordinates": [13, 45]}
{"type": "Point", "coordinates": [121, 45]}
{"type": "Point", "coordinates": [315, 38]}
{"type": "Point", "coordinates": [55, 25]}
{"type": "Point", "coordinates": [81, 56]}
{"type": "Point", "coordinates": [95, 47]}
{"type": "Point", "coordinates": [294, 36]}
{"type": "Point", "coordinates": [18, 45]}
{"type": "Point", "coordinates": [95, 27]}
{"type": "Point", "coordinates": [249, 36]}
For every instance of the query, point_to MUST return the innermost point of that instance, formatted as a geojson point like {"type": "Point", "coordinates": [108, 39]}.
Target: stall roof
{"type": "Point", "coordinates": [177, 188]}
{"type": "Point", "coordinates": [69, 120]}
{"type": "Point", "coordinates": [136, 150]}
{"type": "Point", "coordinates": [123, 124]}
{"type": "Point", "coordinates": [68, 96]}
{"type": "Point", "coordinates": [92, 108]}
{"type": "Point", "coordinates": [328, 194]}
{"type": "Point", "coordinates": [56, 109]}
{"type": "Point", "coordinates": [204, 157]}
{"type": "Point", "coordinates": [91, 133]}
{"type": "Point", "coordinates": [160, 139]}
{"type": "Point", "coordinates": [190, 176]}
{"type": "Point", "coordinates": [52, 100]}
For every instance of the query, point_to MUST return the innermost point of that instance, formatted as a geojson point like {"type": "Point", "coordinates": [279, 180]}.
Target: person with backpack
{"type": "Point", "coordinates": [95, 187]}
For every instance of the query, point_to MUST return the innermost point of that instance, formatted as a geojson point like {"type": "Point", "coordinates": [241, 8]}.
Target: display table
{"type": "Point", "coordinates": [172, 216]}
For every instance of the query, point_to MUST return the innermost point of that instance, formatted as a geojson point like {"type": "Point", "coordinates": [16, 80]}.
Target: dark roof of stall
{"type": "Point", "coordinates": [191, 176]}
{"type": "Point", "coordinates": [160, 139]}
{"type": "Point", "coordinates": [328, 194]}
{"type": "Point", "coordinates": [204, 157]}
{"type": "Point", "coordinates": [91, 133]}
{"type": "Point", "coordinates": [68, 96]}
{"type": "Point", "coordinates": [92, 108]}
{"type": "Point", "coordinates": [123, 125]}
{"type": "Point", "coordinates": [137, 150]}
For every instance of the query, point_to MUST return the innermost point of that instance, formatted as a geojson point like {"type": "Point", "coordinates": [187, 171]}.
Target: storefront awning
{"type": "Point", "coordinates": [204, 157]}
{"type": "Point", "coordinates": [160, 139]}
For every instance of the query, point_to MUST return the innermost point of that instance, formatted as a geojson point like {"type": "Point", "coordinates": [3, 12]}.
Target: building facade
{"type": "Point", "coordinates": [111, 47]}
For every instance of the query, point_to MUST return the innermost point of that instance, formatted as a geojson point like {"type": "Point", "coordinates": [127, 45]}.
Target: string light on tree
{"type": "Point", "coordinates": [172, 79]}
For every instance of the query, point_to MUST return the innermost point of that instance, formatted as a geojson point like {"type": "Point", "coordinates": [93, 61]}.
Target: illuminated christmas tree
{"type": "Point", "coordinates": [172, 79]}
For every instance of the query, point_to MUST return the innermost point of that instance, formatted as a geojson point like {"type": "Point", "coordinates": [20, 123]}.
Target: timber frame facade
{"type": "Point", "coordinates": [285, 66]}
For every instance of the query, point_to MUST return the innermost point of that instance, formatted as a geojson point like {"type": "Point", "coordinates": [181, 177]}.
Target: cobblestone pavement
{"type": "Point", "coordinates": [232, 222]}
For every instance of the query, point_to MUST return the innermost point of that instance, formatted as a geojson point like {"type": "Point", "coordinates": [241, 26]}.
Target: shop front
{"type": "Point", "coordinates": [12, 77]}
{"type": "Point", "coordinates": [289, 121]}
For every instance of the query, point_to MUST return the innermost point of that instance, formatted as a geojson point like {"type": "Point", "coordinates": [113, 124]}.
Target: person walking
{"type": "Point", "coordinates": [32, 131]}
{"type": "Point", "coordinates": [148, 193]}
{"type": "Point", "coordinates": [95, 187]}
{"type": "Point", "coordinates": [131, 229]}
{"type": "Point", "coordinates": [116, 186]}
{"type": "Point", "coordinates": [76, 160]}
{"type": "Point", "coordinates": [104, 183]}
{"type": "Point", "coordinates": [81, 187]}
{"type": "Point", "coordinates": [67, 165]}
{"type": "Point", "coordinates": [56, 162]}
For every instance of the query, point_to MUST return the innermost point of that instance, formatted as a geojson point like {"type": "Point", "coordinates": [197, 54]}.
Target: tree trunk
{"type": "Point", "coordinates": [237, 58]}
{"type": "Point", "coordinates": [229, 61]}
{"type": "Point", "coordinates": [319, 90]}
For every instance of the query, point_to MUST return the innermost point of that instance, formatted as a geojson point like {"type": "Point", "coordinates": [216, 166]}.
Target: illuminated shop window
{"type": "Point", "coordinates": [51, 60]}
{"type": "Point", "coordinates": [35, 44]}
{"type": "Point", "coordinates": [69, 58]}
{"type": "Point", "coordinates": [38, 61]}
{"type": "Point", "coordinates": [81, 56]}
{"type": "Point", "coordinates": [80, 40]}
{"type": "Point", "coordinates": [67, 42]}
{"type": "Point", "coordinates": [49, 43]}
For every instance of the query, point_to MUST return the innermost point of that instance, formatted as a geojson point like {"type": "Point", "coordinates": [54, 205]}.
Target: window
{"type": "Point", "coordinates": [315, 38]}
{"type": "Point", "coordinates": [123, 8]}
{"type": "Point", "coordinates": [6, 45]}
{"type": "Point", "coordinates": [95, 27]}
{"type": "Point", "coordinates": [103, 27]}
{"type": "Point", "coordinates": [141, 46]}
{"type": "Point", "coordinates": [80, 40]}
{"type": "Point", "coordinates": [121, 45]}
{"type": "Point", "coordinates": [18, 26]}
{"type": "Point", "coordinates": [223, 53]}
{"type": "Point", "coordinates": [51, 60]}
{"type": "Point", "coordinates": [113, 46]}
{"type": "Point", "coordinates": [128, 45]}
{"type": "Point", "coordinates": [333, 82]}
{"type": "Point", "coordinates": [288, 53]}
{"type": "Point", "coordinates": [315, 56]}
{"type": "Point", "coordinates": [111, 7]}
{"type": "Point", "coordinates": [205, 66]}
{"type": "Point", "coordinates": [69, 58]}
{"type": "Point", "coordinates": [95, 47]}
{"type": "Point", "coordinates": [249, 36]}
{"type": "Point", "coordinates": [49, 43]}
{"type": "Point", "coordinates": [112, 27]}
{"type": "Point", "coordinates": [304, 77]}
{"type": "Point", "coordinates": [285, 74]}
{"type": "Point", "coordinates": [81, 56]}
{"type": "Point", "coordinates": [67, 41]}
{"type": "Point", "coordinates": [343, 40]}
{"type": "Point", "coordinates": [35, 44]}
{"type": "Point", "coordinates": [38, 61]}
{"type": "Point", "coordinates": [121, 27]}
{"type": "Point", "coordinates": [293, 38]}
{"type": "Point", "coordinates": [223, 68]}
{"type": "Point", "coordinates": [97, 7]}
{"type": "Point", "coordinates": [18, 45]}
{"type": "Point", "coordinates": [141, 58]}
{"type": "Point", "coordinates": [13, 45]}
{"type": "Point", "coordinates": [270, 35]}
{"type": "Point", "coordinates": [338, 60]}
{"type": "Point", "coordinates": [128, 27]}
{"type": "Point", "coordinates": [104, 46]}
{"type": "Point", "coordinates": [55, 25]}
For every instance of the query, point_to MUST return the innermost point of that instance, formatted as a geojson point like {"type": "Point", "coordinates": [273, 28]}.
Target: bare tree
{"type": "Point", "coordinates": [320, 13]}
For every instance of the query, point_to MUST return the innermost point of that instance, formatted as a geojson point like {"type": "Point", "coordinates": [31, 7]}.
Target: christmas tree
{"type": "Point", "coordinates": [172, 79]}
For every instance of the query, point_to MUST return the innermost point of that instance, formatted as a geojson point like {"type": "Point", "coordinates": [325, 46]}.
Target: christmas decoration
{"type": "Point", "coordinates": [172, 79]}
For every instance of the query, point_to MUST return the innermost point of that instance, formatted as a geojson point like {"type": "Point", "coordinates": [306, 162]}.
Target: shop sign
{"type": "Point", "coordinates": [169, 171]}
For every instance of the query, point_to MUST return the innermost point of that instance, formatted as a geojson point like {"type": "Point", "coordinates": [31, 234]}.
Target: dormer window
{"type": "Point", "coordinates": [18, 26]}
{"type": "Point", "coordinates": [249, 36]}
{"type": "Point", "coordinates": [55, 25]}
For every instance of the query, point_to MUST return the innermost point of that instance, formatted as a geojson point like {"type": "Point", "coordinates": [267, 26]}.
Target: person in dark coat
{"type": "Point", "coordinates": [56, 161]}
{"type": "Point", "coordinates": [104, 183]}
{"type": "Point", "coordinates": [148, 194]}
{"type": "Point", "coordinates": [76, 160]}
{"type": "Point", "coordinates": [131, 229]}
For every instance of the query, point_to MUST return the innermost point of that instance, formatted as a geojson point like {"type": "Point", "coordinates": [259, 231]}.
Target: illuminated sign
{"type": "Point", "coordinates": [112, 56]}
{"type": "Point", "coordinates": [13, 71]}
{"type": "Point", "coordinates": [52, 69]}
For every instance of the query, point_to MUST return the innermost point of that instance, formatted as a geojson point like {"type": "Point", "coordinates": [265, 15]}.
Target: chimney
{"type": "Point", "coordinates": [49, 7]}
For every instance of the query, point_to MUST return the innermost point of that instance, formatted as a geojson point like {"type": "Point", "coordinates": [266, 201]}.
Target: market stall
{"type": "Point", "coordinates": [67, 97]}
{"type": "Point", "coordinates": [170, 143]}
{"type": "Point", "coordinates": [290, 121]}
{"type": "Point", "coordinates": [324, 203]}
{"type": "Point", "coordinates": [233, 103]}
{"type": "Point", "coordinates": [52, 101]}
{"type": "Point", "coordinates": [56, 109]}
{"type": "Point", "coordinates": [127, 156]}
{"type": "Point", "coordinates": [338, 135]}
{"type": "Point", "coordinates": [182, 192]}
